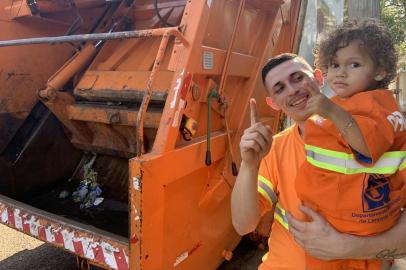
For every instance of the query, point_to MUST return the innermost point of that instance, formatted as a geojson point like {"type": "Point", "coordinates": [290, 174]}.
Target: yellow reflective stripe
{"type": "Point", "coordinates": [345, 163]}
{"type": "Point", "coordinates": [325, 166]}
{"type": "Point", "coordinates": [265, 188]}
{"type": "Point", "coordinates": [346, 156]}
{"type": "Point", "coordinates": [280, 216]}
{"type": "Point", "coordinates": [343, 170]}
{"type": "Point", "coordinates": [402, 165]}
{"type": "Point", "coordinates": [278, 206]}
{"type": "Point", "coordinates": [398, 154]}
{"type": "Point", "coordinates": [265, 181]}
{"type": "Point", "coordinates": [329, 153]}
{"type": "Point", "coordinates": [265, 194]}
{"type": "Point", "coordinates": [280, 213]}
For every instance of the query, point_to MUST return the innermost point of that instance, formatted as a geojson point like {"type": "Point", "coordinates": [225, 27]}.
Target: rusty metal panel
{"type": "Point", "coordinates": [123, 80]}
{"type": "Point", "coordinates": [24, 71]}
{"type": "Point", "coordinates": [115, 116]}
{"type": "Point", "coordinates": [182, 216]}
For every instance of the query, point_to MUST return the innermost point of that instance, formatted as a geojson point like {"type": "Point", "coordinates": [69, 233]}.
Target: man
{"type": "Point", "coordinates": [267, 175]}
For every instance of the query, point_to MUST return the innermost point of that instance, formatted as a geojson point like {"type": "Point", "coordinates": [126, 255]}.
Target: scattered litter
{"type": "Point", "coordinates": [80, 194]}
{"type": "Point", "coordinates": [64, 194]}
{"type": "Point", "coordinates": [98, 201]}
{"type": "Point", "coordinates": [89, 190]}
{"type": "Point", "coordinates": [94, 193]}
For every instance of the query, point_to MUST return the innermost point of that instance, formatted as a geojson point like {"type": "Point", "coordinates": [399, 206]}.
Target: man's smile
{"type": "Point", "coordinates": [299, 100]}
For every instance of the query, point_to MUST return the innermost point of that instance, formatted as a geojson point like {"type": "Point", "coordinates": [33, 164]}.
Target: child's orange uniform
{"type": "Point", "coordinates": [356, 194]}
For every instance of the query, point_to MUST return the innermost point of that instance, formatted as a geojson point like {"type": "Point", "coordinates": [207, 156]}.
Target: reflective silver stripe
{"type": "Point", "coordinates": [280, 216]}
{"type": "Point", "coordinates": [268, 191]}
{"type": "Point", "coordinates": [390, 164]}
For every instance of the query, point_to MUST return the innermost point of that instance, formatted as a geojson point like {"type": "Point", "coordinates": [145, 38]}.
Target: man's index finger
{"type": "Point", "coordinates": [253, 109]}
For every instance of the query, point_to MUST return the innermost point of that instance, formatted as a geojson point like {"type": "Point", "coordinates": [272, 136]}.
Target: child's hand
{"type": "Point", "coordinates": [318, 103]}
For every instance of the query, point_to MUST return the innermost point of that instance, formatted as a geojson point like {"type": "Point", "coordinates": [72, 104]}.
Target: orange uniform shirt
{"type": "Point", "coordinates": [279, 167]}
{"type": "Point", "coordinates": [354, 199]}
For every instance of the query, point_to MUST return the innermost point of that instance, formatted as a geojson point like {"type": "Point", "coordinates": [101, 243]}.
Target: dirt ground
{"type": "Point", "coordinates": [21, 252]}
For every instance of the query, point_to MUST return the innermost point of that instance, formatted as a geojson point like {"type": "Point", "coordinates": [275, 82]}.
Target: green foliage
{"type": "Point", "coordinates": [393, 14]}
{"type": "Point", "coordinates": [90, 175]}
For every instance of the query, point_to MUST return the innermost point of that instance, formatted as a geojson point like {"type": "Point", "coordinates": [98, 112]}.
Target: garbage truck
{"type": "Point", "coordinates": [120, 122]}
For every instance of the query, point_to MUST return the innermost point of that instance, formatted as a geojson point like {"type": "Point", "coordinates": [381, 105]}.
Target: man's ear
{"type": "Point", "coordinates": [380, 74]}
{"type": "Point", "coordinates": [319, 76]}
{"type": "Point", "coordinates": [271, 104]}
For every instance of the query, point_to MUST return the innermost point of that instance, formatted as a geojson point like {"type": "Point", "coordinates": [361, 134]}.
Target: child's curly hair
{"type": "Point", "coordinates": [377, 41]}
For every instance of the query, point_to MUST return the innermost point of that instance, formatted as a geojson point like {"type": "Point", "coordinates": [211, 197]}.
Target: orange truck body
{"type": "Point", "coordinates": [145, 105]}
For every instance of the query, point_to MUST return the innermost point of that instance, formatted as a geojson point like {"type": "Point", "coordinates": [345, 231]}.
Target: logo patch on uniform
{"type": "Point", "coordinates": [397, 121]}
{"type": "Point", "coordinates": [376, 192]}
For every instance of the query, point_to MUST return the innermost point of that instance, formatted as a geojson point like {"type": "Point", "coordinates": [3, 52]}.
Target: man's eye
{"type": "Point", "coordinates": [355, 65]}
{"type": "Point", "coordinates": [298, 78]}
{"type": "Point", "coordinates": [279, 90]}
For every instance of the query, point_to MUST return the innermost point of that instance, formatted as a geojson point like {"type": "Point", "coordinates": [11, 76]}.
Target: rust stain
{"type": "Point", "coordinates": [196, 247]}
{"type": "Point", "coordinates": [12, 74]}
{"type": "Point", "coordinates": [134, 239]}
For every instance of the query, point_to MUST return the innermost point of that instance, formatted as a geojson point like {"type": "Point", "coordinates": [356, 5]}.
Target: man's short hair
{"type": "Point", "coordinates": [279, 59]}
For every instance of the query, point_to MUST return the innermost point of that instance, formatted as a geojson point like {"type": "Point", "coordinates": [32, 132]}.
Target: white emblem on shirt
{"type": "Point", "coordinates": [397, 121]}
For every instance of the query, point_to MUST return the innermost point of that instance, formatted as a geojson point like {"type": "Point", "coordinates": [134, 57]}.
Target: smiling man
{"type": "Point", "coordinates": [267, 179]}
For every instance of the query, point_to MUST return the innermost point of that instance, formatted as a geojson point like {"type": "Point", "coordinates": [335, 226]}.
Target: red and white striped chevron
{"type": "Point", "coordinates": [104, 253]}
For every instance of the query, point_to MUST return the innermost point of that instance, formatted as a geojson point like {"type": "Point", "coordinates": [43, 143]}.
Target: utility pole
{"type": "Point", "coordinates": [359, 9]}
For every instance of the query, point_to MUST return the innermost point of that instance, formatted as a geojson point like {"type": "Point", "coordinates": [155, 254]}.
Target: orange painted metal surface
{"type": "Point", "coordinates": [20, 76]}
{"type": "Point", "coordinates": [191, 219]}
{"type": "Point", "coordinates": [132, 100]}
